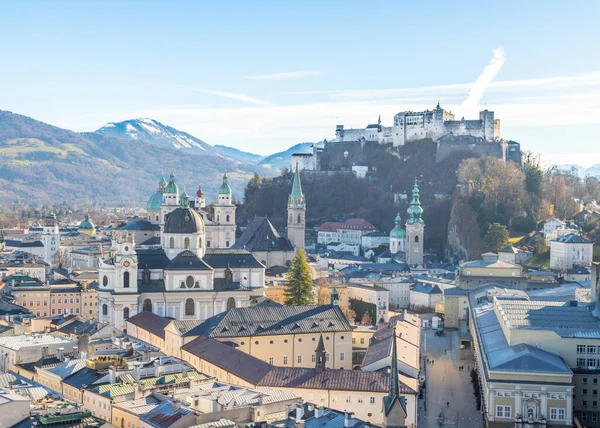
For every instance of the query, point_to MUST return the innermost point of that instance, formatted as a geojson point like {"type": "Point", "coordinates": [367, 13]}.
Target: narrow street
{"type": "Point", "coordinates": [448, 390]}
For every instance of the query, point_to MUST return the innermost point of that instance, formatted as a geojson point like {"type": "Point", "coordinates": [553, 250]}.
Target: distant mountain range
{"type": "Point", "coordinates": [582, 171]}
{"type": "Point", "coordinates": [120, 163]}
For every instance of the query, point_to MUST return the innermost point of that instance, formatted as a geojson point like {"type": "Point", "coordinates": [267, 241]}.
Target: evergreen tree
{"type": "Point", "coordinates": [496, 237]}
{"type": "Point", "coordinates": [298, 287]}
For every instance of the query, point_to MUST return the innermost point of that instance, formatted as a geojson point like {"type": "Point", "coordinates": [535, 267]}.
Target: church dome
{"type": "Point", "coordinates": [184, 220]}
{"type": "Point", "coordinates": [86, 224]}
{"type": "Point", "coordinates": [155, 202]}
{"type": "Point", "coordinates": [398, 231]}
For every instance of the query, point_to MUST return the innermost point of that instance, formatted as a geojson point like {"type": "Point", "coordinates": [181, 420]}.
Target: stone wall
{"type": "Point", "coordinates": [476, 147]}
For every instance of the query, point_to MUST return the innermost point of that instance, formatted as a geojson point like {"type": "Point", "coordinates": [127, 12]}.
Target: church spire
{"type": "Point", "coordinates": [296, 194]}
{"type": "Point", "coordinates": [320, 356]}
{"type": "Point", "coordinates": [394, 394]}
{"type": "Point", "coordinates": [414, 210]}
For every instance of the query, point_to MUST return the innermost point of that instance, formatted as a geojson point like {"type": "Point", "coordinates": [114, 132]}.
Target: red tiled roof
{"type": "Point", "coordinates": [330, 226]}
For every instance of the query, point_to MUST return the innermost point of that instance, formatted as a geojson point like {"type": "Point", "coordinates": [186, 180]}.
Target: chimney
{"type": "Point", "coordinates": [60, 353]}
{"type": "Point", "coordinates": [319, 411]}
{"type": "Point", "coordinates": [138, 392]}
{"type": "Point", "coordinates": [112, 375]}
{"type": "Point", "coordinates": [156, 368]}
{"type": "Point", "coordinates": [136, 371]}
{"type": "Point", "coordinates": [349, 419]}
{"type": "Point", "coordinates": [299, 412]}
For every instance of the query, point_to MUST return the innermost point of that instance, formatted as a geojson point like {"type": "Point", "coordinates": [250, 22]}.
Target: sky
{"type": "Point", "coordinates": [261, 76]}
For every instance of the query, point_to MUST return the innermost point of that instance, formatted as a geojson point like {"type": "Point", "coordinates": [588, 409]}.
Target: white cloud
{"type": "Point", "coordinates": [234, 96]}
{"type": "Point", "coordinates": [284, 75]}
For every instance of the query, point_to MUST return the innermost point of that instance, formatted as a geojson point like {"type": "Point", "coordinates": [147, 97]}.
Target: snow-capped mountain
{"type": "Point", "coordinates": [152, 131]}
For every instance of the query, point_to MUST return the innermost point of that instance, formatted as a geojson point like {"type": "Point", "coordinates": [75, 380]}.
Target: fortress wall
{"type": "Point", "coordinates": [496, 149]}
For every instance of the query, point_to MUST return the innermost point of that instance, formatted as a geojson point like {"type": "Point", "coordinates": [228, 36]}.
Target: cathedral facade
{"type": "Point", "coordinates": [190, 275]}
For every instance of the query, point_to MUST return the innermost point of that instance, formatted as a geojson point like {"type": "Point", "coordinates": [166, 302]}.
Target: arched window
{"type": "Point", "coordinates": [126, 313]}
{"type": "Point", "coordinates": [189, 306]}
{"type": "Point", "coordinates": [227, 218]}
{"type": "Point", "coordinates": [105, 309]}
{"type": "Point", "coordinates": [126, 279]}
{"type": "Point", "coordinates": [105, 280]}
{"type": "Point", "coordinates": [189, 281]}
{"type": "Point", "coordinates": [147, 305]}
{"type": "Point", "coordinates": [416, 238]}
{"type": "Point", "coordinates": [230, 303]}
{"type": "Point", "coordinates": [172, 243]}
{"type": "Point", "coordinates": [299, 218]}
{"type": "Point", "coordinates": [186, 243]}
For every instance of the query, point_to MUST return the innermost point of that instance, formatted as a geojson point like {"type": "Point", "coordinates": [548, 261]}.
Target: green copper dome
{"type": "Point", "coordinates": [86, 224]}
{"type": "Point", "coordinates": [155, 202]}
{"type": "Point", "coordinates": [172, 187]}
{"type": "Point", "coordinates": [414, 210]}
{"type": "Point", "coordinates": [184, 199]}
{"type": "Point", "coordinates": [398, 231]}
{"type": "Point", "coordinates": [162, 181]}
{"type": "Point", "coordinates": [224, 189]}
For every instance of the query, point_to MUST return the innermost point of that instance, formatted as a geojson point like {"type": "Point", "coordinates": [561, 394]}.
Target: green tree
{"type": "Point", "coordinates": [496, 237]}
{"type": "Point", "coordinates": [298, 287]}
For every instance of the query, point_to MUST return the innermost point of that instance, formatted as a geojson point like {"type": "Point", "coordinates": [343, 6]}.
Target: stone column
{"type": "Point", "coordinates": [518, 404]}
{"type": "Point", "coordinates": [491, 407]}
{"type": "Point", "coordinates": [569, 412]}
{"type": "Point", "coordinates": [545, 402]}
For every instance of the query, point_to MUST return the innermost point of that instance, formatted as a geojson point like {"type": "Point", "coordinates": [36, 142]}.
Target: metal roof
{"type": "Point", "coordinates": [274, 320]}
{"type": "Point", "coordinates": [501, 356]}
{"type": "Point", "coordinates": [332, 379]}
{"type": "Point", "coordinates": [238, 363]}
{"type": "Point", "coordinates": [564, 318]}
{"type": "Point", "coordinates": [151, 322]}
{"type": "Point", "coordinates": [260, 235]}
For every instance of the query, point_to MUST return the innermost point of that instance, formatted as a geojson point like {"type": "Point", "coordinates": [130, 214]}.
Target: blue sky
{"type": "Point", "coordinates": [263, 75]}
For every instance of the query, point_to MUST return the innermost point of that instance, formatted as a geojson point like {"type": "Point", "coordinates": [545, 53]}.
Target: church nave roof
{"type": "Point", "coordinates": [187, 261]}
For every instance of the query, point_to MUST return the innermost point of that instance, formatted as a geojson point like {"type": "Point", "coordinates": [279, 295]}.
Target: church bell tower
{"type": "Point", "coordinates": [296, 226]}
{"type": "Point", "coordinates": [415, 228]}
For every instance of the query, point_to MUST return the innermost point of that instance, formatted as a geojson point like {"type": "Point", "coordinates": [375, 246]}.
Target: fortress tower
{"type": "Point", "coordinates": [296, 227]}
{"type": "Point", "coordinates": [414, 230]}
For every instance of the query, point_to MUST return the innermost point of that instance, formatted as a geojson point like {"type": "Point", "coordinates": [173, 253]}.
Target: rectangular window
{"type": "Point", "coordinates": [581, 349]}
{"type": "Point", "coordinates": [313, 358]}
{"type": "Point", "coordinates": [285, 361]}
{"type": "Point", "coordinates": [372, 400]}
{"type": "Point", "coordinates": [585, 392]}
{"type": "Point", "coordinates": [271, 360]}
{"type": "Point", "coordinates": [554, 414]}
{"type": "Point", "coordinates": [581, 364]}
{"type": "Point", "coordinates": [594, 417]}
{"type": "Point", "coordinates": [354, 340]}
{"type": "Point", "coordinates": [591, 362]}
{"type": "Point", "coordinates": [499, 411]}
{"type": "Point", "coordinates": [507, 411]}
{"type": "Point", "coordinates": [584, 403]}
{"type": "Point", "coordinates": [584, 417]}
{"type": "Point", "coordinates": [342, 356]}
{"type": "Point", "coordinates": [362, 340]}
{"type": "Point", "coordinates": [591, 349]}
{"type": "Point", "coordinates": [299, 359]}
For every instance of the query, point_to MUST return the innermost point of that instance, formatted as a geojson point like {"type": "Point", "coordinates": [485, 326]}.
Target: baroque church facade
{"type": "Point", "coordinates": [196, 271]}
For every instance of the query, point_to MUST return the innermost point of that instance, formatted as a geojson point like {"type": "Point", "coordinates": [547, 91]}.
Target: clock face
{"type": "Point", "coordinates": [126, 263]}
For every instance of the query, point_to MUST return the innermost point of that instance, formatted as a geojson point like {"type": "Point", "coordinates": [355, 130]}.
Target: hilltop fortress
{"type": "Point", "coordinates": [429, 124]}
{"type": "Point", "coordinates": [481, 137]}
